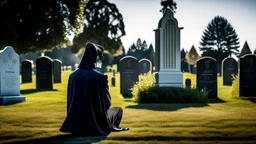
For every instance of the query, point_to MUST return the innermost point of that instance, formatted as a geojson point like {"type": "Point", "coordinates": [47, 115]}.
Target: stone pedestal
{"type": "Point", "coordinates": [168, 52]}
{"type": "Point", "coordinates": [6, 100]}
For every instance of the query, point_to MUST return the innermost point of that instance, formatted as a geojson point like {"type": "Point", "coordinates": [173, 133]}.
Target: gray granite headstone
{"type": "Point", "coordinates": [247, 75]}
{"type": "Point", "coordinates": [145, 66]}
{"type": "Point", "coordinates": [128, 74]}
{"type": "Point", "coordinates": [188, 83]}
{"type": "Point", "coordinates": [26, 71]}
{"type": "Point", "coordinates": [10, 77]}
{"type": "Point", "coordinates": [206, 76]}
{"type": "Point", "coordinates": [56, 71]}
{"type": "Point", "coordinates": [229, 68]}
{"type": "Point", "coordinates": [44, 73]}
{"type": "Point", "coordinates": [113, 81]}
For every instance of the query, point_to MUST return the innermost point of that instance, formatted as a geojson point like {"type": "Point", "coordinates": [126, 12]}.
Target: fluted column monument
{"type": "Point", "coordinates": [167, 45]}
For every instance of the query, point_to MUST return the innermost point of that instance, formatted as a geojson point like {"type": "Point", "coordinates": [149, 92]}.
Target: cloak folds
{"type": "Point", "coordinates": [88, 100]}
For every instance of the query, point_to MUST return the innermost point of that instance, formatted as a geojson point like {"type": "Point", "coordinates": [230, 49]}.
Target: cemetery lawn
{"type": "Point", "coordinates": [39, 118]}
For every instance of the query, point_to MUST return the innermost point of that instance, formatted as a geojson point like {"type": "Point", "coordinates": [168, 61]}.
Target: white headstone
{"type": "Point", "coordinates": [9, 77]}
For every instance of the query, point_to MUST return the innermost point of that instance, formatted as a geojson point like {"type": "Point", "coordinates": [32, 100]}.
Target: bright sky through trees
{"type": "Point", "coordinates": [142, 16]}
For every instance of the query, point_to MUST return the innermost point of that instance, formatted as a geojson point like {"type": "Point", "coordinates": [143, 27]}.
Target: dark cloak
{"type": "Point", "coordinates": [88, 98]}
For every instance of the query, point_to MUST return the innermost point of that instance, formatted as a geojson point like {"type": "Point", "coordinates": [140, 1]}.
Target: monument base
{"type": "Point", "coordinates": [169, 77]}
{"type": "Point", "coordinates": [6, 100]}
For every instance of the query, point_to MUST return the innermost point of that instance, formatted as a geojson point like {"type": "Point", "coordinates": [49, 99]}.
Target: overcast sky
{"type": "Point", "coordinates": [141, 18]}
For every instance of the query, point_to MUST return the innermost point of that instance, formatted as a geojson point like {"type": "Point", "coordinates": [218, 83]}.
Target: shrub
{"type": "Point", "coordinates": [145, 82]}
{"type": "Point", "coordinates": [235, 86]}
{"type": "Point", "coordinates": [144, 91]}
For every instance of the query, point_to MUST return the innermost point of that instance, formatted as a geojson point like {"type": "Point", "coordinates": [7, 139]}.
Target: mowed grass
{"type": "Point", "coordinates": [39, 118]}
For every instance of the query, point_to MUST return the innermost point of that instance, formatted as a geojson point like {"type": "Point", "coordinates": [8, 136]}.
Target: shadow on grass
{"type": "Point", "coordinates": [68, 138]}
{"type": "Point", "coordinates": [215, 100]}
{"type": "Point", "coordinates": [30, 91]}
{"type": "Point", "coordinates": [166, 107]}
{"type": "Point", "coordinates": [252, 99]}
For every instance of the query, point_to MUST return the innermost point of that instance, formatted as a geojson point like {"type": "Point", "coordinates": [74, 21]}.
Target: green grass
{"type": "Point", "coordinates": [40, 117]}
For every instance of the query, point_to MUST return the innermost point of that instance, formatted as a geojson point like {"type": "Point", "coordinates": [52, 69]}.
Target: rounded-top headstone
{"type": "Point", "coordinates": [247, 75]}
{"type": "Point", "coordinates": [57, 71]}
{"type": "Point", "coordinates": [229, 68]}
{"type": "Point", "coordinates": [26, 71]}
{"type": "Point", "coordinates": [9, 72]}
{"type": "Point", "coordinates": [145, 66]}
{"type": "Point", "coordinates": [44, 73]}
{"type": "Point", "coordinates": [206, 76]}
{"type": "Point", "coordinates": [128, 74]}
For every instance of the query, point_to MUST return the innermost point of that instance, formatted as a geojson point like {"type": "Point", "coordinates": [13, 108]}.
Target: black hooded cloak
{"type": "Point", "coordinates": [88, 98]}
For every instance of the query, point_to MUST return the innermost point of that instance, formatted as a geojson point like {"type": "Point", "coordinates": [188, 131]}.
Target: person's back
{"type": "Point", "coordinates": [86, 105]}
{"type": "Point", "coordinates": [88, 101]}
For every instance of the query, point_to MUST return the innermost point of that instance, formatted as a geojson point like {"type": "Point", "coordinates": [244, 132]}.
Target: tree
{"type": "Point", "coordinates": [139, 50]}
{"type": "Point", "coordinates": [182, 54]}
{"type": "Point", "coordinates": [151, 54]}
{"type": "Point", "coordinates": [192, 56]}
{"type": "Point", "coordinates": [144, 46]}
{"type": "Point", "coordinates": [245, 50]}
{"type": "Point", "coordinates": [219, 39]}
{"type": "Point", "coordinates": [31, 26]}
{"type": "Point", "coordinates": [254, 51]}
{"type": "Point", "coordinates": [103, 25]}
{"type": "Point", "coordinates": [168, 3]}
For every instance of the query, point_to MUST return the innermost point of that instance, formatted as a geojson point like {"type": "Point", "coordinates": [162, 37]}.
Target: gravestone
{"type": "Point", "coordinates": [113, 81]}
{"type": "Point", "coordinates": [56, 71]}
{"type": "Point", "coordinates": [10, 77]}
{"type": "Point", "coordinates": [44, 73]}
{"type": "Point", "coordinates": [206, 76]}
{"type": "Point", "coordinates": [229, 68]}
{"type": "Point", "coordinates": [26, 71]}
{"type": "Point", "coordinates": [114, 73]}
{"type": "Point", "coordinates": [128, 74]}
{"type": "Point", "coordinates": [247, 75]}
{"type": "Point", "coordinates": [145, 66]}
{"type": "Point", "coordinates": [188, 83]}
{"type": "Point", "coordinates": [167, 55]}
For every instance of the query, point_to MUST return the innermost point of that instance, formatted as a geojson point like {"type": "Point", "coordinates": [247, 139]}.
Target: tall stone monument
{"type": "Point", "coordinates": [167, 45]}
{"type": "Point", "coordinates": [10, 77]}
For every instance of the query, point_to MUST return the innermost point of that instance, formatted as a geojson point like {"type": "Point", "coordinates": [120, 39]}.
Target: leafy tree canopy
{"type": "Point", "coordinates": [103, 25]}
{"type": "Point", "coordinates": [31, 25]}
{"type": "Point", "coordinates": [219, 39]}
{"type": "Point", "coordinates": [245, 50]}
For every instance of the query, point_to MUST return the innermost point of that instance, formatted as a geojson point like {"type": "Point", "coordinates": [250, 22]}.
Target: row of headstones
{"type": "Point", "coordinates": [207, 74]}
{"type": "Point", "coordinates": [48, 71]}
{"type": "Point", "coordinates": [186, 67]}
{"type": "Point", "coordinates": [130, 69]}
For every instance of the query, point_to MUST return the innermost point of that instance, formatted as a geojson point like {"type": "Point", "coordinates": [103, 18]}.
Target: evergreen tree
{"type": "Point", "coordinates": [139, 44]}
{"type": "Point", "coordinates": [182, 54]}
{"type": "Point", "coordinates": [219, 39]}
{"type": "Point", "coordinates": [132, 49]}
{"type": "Point", "coordinates": [254, 51]}
{"type": "Point", "coordinates": [144, 46]}
{"type": "Point", "coordinates": [245, 50]}
{"type": "Point", "coordinates": [151, 54]}
{"type": "Point", "coordinates": [192, 56]}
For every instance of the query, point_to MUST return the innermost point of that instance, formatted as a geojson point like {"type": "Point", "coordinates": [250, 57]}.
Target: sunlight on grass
{"type": "Point", "coordinates": [40, 117]}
